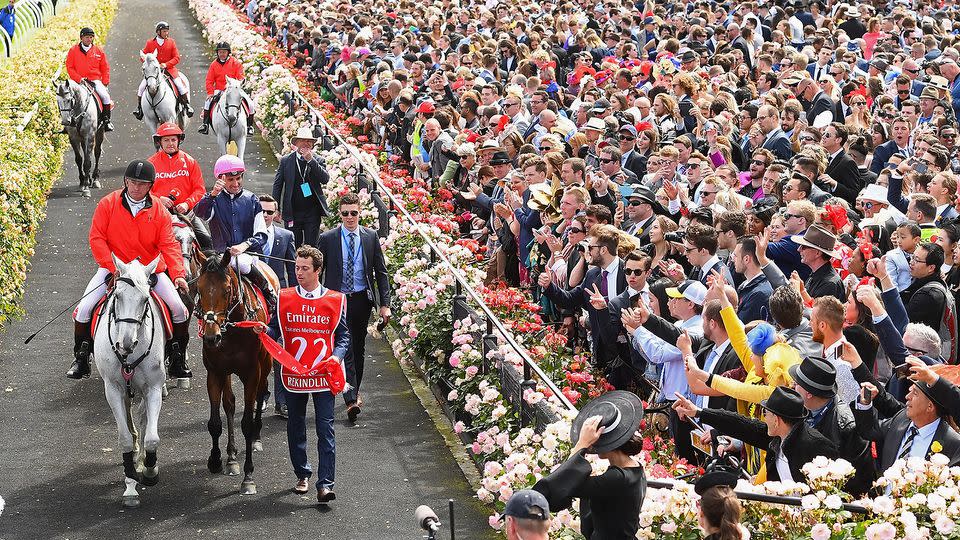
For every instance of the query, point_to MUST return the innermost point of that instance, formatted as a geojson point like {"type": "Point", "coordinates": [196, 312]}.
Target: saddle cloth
{"type": "Point", "coordinates": [96, 97]}
{"type": "Point", "coordinates": [164, 311]}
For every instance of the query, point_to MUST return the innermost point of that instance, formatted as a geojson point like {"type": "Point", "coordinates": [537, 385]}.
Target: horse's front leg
{"type": "Point", "coordinates": [230, 409]}
{"type": "Point", "coordinates": [214, 425]}
{"type": "Point", "coordinates": [250, 425]}
{"type": "Point", "coordinates": [116, 398]}
{"type": "Point", "coordinates": [97, 150]}
{"type": "Point", "coordinates": [151, 439]}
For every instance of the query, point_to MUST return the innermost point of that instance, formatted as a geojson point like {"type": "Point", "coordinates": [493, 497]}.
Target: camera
{"type": "Point", "coordinates": [676, 237]}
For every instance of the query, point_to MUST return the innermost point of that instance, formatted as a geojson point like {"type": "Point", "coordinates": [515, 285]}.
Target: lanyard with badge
{"type": "Point", "coordinates": [304, 184]}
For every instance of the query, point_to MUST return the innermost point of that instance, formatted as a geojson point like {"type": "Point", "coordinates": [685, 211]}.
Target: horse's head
{"type": "Point", "coordinates": [218, 289]}
{"type": "Point", "coordinates": [131, 303]}
{"type": "Point", "coordinates": [151, 71]}
{"type": "Point", "coordinates": [67, 102]}
{"type": "Point", "coordinates": [232, 100]}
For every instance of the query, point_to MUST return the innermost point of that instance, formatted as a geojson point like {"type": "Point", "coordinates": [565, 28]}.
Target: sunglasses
{"type": "Point", "coordinates": [349, 213]}
{"type": "Point", "coordinates": [693, 165]}
{"type": "Point", "coordinates": [575, 230]}
{"type": "Point", "coordinates": [759, 162]}
{"type": "Point", "coordinates": [633, 271]}
{"type": "Point", "coordinates": [269, 212]}
{"type": "Point", "coordinates": [788, 216]}
{"type": "Point", "coordinates": [607, 160]}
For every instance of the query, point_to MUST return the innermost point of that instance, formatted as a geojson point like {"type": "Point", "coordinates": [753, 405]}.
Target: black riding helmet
{"type": "Point", "coordinates": [140, 170]}
{"type": "Point", "coordinates": [87, 31]}
{"type": "Point", "coordinates": [162, 25]}
{"type": "Point", "coordinates": [223, 46]}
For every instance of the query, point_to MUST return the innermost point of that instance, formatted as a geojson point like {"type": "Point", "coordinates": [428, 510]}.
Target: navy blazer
{"type": "Point", "coordinates": [778, 143]}
{"type": "Point", "coordinates": [847, 174]}
{"type": "Point", "coordinates": [375, 268]}
{"type": "Point", "coordinates": [283, 247]}
{"type": "Point", "coordinates": [882, 154]}
{"type": "Point", "coordinates": [288, 179]}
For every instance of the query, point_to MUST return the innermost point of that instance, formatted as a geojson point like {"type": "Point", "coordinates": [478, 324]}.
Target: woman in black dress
{"type": "Point", "coordinates": [609, 503]}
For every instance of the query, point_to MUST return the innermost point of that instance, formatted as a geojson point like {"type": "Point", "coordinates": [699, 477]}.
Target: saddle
{"type": "Point", "coordinates": [215, 98]}
{"type": "Point", "coordinates": [169, 80]}
{"type": "Point", "coordinates": [96, 97]}
{"type": "Point", "coordinates": [164, 312]}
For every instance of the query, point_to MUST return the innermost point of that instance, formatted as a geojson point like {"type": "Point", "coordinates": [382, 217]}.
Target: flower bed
{"type": "Point", "coordinates": [924, 501]}
{"type": "Point", "coordinates": [32, 159]}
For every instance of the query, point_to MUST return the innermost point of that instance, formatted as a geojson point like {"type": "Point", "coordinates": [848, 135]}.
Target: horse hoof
{"type": "Point", "coordinates": [214, 465]}
{"type": "Point", "coordinates": [131, 501]}
{"type": "Point", "coordinates": [85, 192]}
{"type": "Point", "coordinates": [248, 487]}
{"type": "Point", "coordinates": [151, 480]}
{"type": "Point", "coordinates": [164, 391]}
{"type": "Point", "coordinates": [96, 184]}
{"type": "Point", "coordinates": [233, 468]}
{"type": "Point", "coordinates": [257, 446]}
{"type": "Point", "coordinates": [183, 384]}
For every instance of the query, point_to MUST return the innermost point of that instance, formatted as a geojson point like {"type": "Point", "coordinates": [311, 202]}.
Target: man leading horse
{"type": "Point", "coordinates": [129, 224]}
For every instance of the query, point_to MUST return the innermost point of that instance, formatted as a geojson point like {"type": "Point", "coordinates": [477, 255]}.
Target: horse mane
{"type": "Point", "coordinates": [212, 263]}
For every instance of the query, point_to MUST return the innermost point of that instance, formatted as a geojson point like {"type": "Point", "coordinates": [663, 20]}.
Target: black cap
{"type": "Point", "coordinates": [141, 171]}
{"type": "Point", "coordinates": [87, 31]}
{"type": "Point", "coordinates": [527, 504]}
{"type": "Point", "coordinates": [785, 403]}
{"type": "Point", "coordinates": [714, 478]}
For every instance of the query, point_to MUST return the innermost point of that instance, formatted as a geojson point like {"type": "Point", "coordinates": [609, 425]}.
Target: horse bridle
{"type": "Point", "coordinates": [126, 368]}
{"type": "Point", "coordinates": [153, 104]}
{"type": "Point", "coordinates": [83, 107]}
{"type": "Point", "coordinates": [210, 317]}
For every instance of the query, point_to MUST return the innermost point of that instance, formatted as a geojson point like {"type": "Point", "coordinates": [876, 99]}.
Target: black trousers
{"type": "Point", "coordinates": [358, 316]}
{"type": "Point", "coordinates": [306, 229]}
{"type": "Point", "coordinates": [680, 430]}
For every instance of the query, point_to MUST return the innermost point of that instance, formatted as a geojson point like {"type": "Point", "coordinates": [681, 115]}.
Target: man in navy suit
{"type": "Point", "coordinates": [775, 139]}
{"type": "Point", "coordinates": [354, 265]}
{"type": "Point", "coordinates": [298, 186]}
{"type": "Point", "coordinates": [603, 282]}
{"type": "Point", "coordinates": [898, 144]}
{"type": "Point", "coordinates": [279, 244]}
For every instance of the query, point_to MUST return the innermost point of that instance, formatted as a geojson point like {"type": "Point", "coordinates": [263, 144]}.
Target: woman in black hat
{"type": "Point", "coordinates": [609, 503]}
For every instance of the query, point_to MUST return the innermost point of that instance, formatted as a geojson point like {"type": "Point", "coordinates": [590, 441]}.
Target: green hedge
{"type": "Point", "coordinates": [31, 161]}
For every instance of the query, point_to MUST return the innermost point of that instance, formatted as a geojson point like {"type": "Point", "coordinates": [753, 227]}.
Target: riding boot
{"type": "Point", "coordinates": [185, 100]}
{"type": "Point", "coordinates": [82, 346]}
{"type": "Point", "coordinates": [107, 124]}
{"type": "Point", "coordinates": [178, 351]}
{"type": "Point", "coordinates": [138, 114]}
{"type": "Point", "coordinates": [250, 125]}
{"type": "Point", "coordinates": [260, 280]}
{"type": "Point", "coordinates": [204, 123]}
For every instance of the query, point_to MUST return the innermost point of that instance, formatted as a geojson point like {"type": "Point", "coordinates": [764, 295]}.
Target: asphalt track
{"type": "Point", "coordinates": [60, 466]}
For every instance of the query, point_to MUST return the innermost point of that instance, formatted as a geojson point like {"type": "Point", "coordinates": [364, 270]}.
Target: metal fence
{"type": "Point", "coordinates": [29, 16]}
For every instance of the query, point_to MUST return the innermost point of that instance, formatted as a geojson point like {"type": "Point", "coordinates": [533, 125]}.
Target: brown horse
{"type": "Point", "coordinates": [228, 350]}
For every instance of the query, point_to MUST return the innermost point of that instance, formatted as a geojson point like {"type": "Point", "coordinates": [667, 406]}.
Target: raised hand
{"type": "Point", "coordinates": [684, 407]}
{"type": "Point", "coordinates": [868, 296]}
{"type": "Point", "coordinates": [597, 300]}
{"type": "Point", "coordinates": [762, 240]}
{"type": "Point", "coordinates": [920, 372]}
{"type": "Point", "coordinates": [850, 355]}
{"type": "Point", "coordinates": [546, 277]}
{"type": "Point", "coordinates": [684, 343]}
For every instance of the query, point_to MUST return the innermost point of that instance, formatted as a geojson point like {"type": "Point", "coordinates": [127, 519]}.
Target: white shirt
{"type": "Point", "coordinates": [921, 443]}
{"type": "Point", "coordinates": [783, 468]}
{"type": "Point", "coordinates": [612, 269]}
{"type": "Point", "coordinates": [135, 206]}
{"type": "Point", "coordinates": [720, 349]}
{"type": "Point", "coordinates": [848, 389]}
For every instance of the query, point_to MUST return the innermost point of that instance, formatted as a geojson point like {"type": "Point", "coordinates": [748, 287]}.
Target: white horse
{"type": "Point", "coordinates": [158, 102]}
{"type": "Point", "coordinates": [229, 120]}
{"type": "Point", "coordinates": [78, 114]}
{"type": "Point", "coordinates": [128, 348]}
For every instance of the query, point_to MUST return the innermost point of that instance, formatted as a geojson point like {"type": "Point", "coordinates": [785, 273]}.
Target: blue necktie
{"type": "Point", "coordinates": [268, 247]}
{"type": "Point", "coordinates": [352, 250]}
{"type": "Point", "coordinates": [708, 367]}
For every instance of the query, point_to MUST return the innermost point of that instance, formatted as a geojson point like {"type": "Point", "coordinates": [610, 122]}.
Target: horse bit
{"type": "Point", "coordinates": [126, 369]}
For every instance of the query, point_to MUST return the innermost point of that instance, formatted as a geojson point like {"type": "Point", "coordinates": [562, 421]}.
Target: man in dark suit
{"type": "Point", "coordinates": [845, 180]}
{"type": "Point", "coordinates": [700, 246]}
{"type": "Point", "coordinates": [898, 144]}
{"type": "Point", "coordinates": [636, 268]}
{"type": "Point", "coordinates": [603, 281]}
{"type": "Point", "coordinates": [775, 140]}
{"type": "Point", "coordinates": [641, 207]}
{"type": "Point", "coordinates": [279, 244]}
{"type": "Point", "coordinates": [354, 265]}
{"type": "Point", "coordinates": [814, 100]}
{"type": "Point", "coordinates": [630, 159]}
{"type": "Point", "coordinates": [298, 185]}
{"type": "Point", "coordinates": [918, 429]}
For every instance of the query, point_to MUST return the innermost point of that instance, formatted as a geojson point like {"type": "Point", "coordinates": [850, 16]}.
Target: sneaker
{"type": "Point", "coordinates": [281, 411]}
{"type": "Point", "coordinates": [303, 486]}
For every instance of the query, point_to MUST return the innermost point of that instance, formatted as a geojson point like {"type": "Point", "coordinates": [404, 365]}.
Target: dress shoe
{"type": "Point", "coordinates": [281, 411]}
{"type": "Point", "coordinates": [325, 495]}
{"type": "Point", "coordinates": [352, 412]}
{"type": "Point", "coordinates": [303, 486]}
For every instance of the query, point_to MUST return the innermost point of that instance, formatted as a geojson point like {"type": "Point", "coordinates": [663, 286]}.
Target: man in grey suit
{"type": "Point", "coordinates": [354, 265]}
{"type": "Point", "coordinates": [280, 244]}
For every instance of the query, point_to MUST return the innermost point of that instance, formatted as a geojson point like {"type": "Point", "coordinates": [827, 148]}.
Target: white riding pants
{"type": "Point", "coordinates": [101, 91]}
{"type": "Point", "coordinates": [181, 82]}
{"type": "Point", "coordinates": [164, 288]}
{"type": "Point", "coordinates": [243, 261]}
{"type": "Point", "coordinates": [246, 99]}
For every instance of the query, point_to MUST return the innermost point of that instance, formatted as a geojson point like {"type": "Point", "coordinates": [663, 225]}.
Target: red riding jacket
{"type": "Point", "coordinates": [166, 54]}
{"type": "Point", "coordinates": [115, 230]}
{"type": "Point", "coordinates": [218, 73]}
{"type": "Point", "coordinates": [88, 65]}
{"type": "Point", "coordinates": [178, 175]}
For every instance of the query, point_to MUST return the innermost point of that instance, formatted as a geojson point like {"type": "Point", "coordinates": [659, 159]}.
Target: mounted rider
{"type": "Point", "coordinates": [236, 222]}
{"type": "Point", "coordinates": [130, 223]}
{"type": "Point", "coordinates": [169, 56]}
{"type": "Point", "coordinates": [224, 66]}
{"type": "Point", "coordinates": [179, 183]}
{"type": "Point", "coordinates": [86, 61]}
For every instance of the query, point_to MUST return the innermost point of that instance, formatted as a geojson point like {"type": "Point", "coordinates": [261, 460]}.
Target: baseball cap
{"type": "Point", "coordinates": [527, 504]}
{"type": "Point", "coordinates": [690, 289]}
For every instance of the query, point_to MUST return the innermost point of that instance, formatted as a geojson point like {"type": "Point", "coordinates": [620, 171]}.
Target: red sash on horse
{"type": "Point", "coordinates": [308, 326]}
{"type": "Point", "coordinates": [164, 314]}
{"type": "Point", "coordinates": [96, 97]}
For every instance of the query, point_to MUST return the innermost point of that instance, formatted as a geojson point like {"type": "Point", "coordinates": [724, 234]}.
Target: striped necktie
{"type": "Point", "coordinates": [908, 443]}
{"type": "Point", "coordinates": [352, 253]}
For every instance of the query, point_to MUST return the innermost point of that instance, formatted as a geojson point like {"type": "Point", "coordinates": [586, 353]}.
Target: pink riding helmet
{"type": "Point", "coordinates": [228, 164]}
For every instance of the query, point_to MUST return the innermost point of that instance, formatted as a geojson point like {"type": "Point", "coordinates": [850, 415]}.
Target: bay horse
{"type": "Point", "coordinates": [78, 114]}
{"type": "Point", "coordinates": [128, 346]}
{"type": "Point", "coordinates": [223, 301]}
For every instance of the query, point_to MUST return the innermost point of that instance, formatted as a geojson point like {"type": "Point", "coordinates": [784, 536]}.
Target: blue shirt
{"type": "Point", "coordinates": [355, 283]}
{"type": "Point", "coordinates": [673, 378]}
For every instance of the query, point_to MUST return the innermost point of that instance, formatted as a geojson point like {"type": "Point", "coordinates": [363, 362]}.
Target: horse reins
{"type": "Point", "coordinates": [126, 369]}
{"type": "Point", "coordinates": [83, 106]}
{"type": "Point", "coordinates": [211, 316]}
{"type": "Point", "coordinates": [153, 104]}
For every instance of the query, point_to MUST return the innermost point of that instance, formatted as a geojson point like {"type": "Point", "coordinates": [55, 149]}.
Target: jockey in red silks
{"type": "Point", "coordinates": [130, 223]}
{"type": "Point", "coordinates": [224, 66]}
{"type": "Point", "coordinates": [169, 56]}
{"type": "Point", "coordinates": [88, 61]}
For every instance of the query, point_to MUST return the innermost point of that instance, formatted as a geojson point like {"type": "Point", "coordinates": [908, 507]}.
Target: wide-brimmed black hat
{"type": "Point", "coordinates": [500, 157]}
{"type": "Point", "coordinates": [785, 403]}
{"type": "Point", "coordinates": [925, 388]}
{"type": "Point", "coordinates": [714, 478]}
{"type": "Point", "coordinates": [621, 412]}
{"type": "Point", "coordinates": [818, 238]}
{"type": "Point", "coordinates": [816, 376]}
